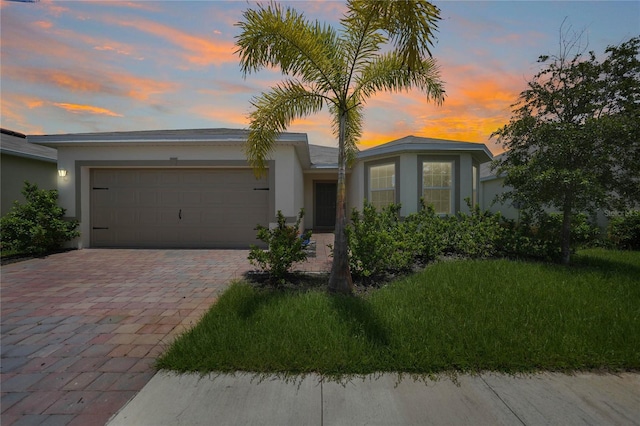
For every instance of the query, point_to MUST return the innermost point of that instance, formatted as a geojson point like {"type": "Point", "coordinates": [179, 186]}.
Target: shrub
{"type": "Point", "coordinates": [378, 242]}
{"type": "Point", "coordinates": [285, 247]}
{"type": "Point", "coordinates": [426, 232]}
{"type": "Point", "coordinates": [624, 231]}
{"type": "Point", "coordinates": [37, 226]}
{"type": "Point", "coordinates": [539, 236]}
{"type": "Point", "coordinates": [475, 235]}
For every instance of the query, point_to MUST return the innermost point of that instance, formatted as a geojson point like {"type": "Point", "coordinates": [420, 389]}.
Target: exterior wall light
{"type": "Point", "coordinates": [62, 172]}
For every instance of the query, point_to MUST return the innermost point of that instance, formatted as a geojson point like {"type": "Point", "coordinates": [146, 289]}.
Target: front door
{"type": "Point", "coordinates": [325, 209]}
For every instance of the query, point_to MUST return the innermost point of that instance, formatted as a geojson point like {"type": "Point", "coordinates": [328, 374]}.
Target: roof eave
{"type": "Point", "coordinates": [29, 156]}
{"type": "Point", "coordinates": [480, 151]}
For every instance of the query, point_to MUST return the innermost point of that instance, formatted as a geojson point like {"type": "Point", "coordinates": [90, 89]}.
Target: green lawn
{"type": "Point", "coordinates": [464, 316]}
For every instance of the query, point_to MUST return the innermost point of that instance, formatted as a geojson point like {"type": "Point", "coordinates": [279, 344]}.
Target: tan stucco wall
{"type": "Point", "coordinates": [16, 170]}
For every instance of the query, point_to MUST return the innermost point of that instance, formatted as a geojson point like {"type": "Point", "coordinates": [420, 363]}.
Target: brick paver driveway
{"type": "Point", "coordinates": [80, 330]}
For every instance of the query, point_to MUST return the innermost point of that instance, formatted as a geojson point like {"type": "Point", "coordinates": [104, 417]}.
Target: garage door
{"type": "Point", "coordinates": [177, 208]}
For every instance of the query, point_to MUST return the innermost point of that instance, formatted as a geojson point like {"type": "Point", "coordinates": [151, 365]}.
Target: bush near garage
{"type": "Point", "coordinates": [38, 225]}
{"type": "Point", "coordinates": [286, 246]}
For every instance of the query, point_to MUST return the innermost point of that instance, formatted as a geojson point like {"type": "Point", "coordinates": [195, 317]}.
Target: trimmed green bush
{"type": "Point", "coordinates": [427, 233]}
{"type": "Point", "coordinates": [285, 247]}
{"type": "Point", "coordinates": [624, 231]}
{"type": "Point", "coordinates": [474, 235]}
{"type": "Point", "coordinates": [38, 225]}
{"type": "Point", "coordinates": [378, 242]}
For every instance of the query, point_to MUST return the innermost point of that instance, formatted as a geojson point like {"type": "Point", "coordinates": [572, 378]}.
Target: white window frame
{"type": "Point", "coordinates": [451, 187]}
{"type": "Point", "coordinates": [394, 181]}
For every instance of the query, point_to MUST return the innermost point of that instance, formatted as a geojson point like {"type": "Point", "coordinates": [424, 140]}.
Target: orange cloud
{"type": "Point", "coordinates": [110, 83]}
{"type": "Point", "coordinates": [477, 103]}
{"type": "Point", "coordinates": [14, 116]}
{"type": "Point", "coordinates": [118, 48]}
{"type": "Point", "coordinates": [86, 109]}
{"type": "Point", "coordinates": [225, 116]}
{"type": "Point", "coordinates": [45, 25]}
{"type": "Point", "coordinates": [199, 51]}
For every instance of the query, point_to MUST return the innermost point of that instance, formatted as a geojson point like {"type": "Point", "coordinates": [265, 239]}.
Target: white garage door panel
{"type": "Point", "coordinates": [181, 208]}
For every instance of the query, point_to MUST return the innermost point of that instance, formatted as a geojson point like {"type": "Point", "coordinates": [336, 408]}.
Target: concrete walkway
{"type": "Point", "coordinates": [489, 399]}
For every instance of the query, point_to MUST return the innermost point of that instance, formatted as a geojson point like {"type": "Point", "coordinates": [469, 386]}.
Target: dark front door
{"type": "Point", "coordinates": [325, 214]}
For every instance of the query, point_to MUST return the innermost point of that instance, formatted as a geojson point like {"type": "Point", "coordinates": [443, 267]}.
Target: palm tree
{"type": "Point", "coordinates": [381, 46]}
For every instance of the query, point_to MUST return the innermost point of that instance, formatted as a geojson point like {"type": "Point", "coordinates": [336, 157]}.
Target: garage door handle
{"type": "Point", "coordinates": [180, 214]}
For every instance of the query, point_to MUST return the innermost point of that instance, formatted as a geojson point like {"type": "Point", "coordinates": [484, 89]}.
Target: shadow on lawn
{"type": "Point", "coordinates": [360, 318]}
{"type": "Point", "coordinates": [353, 311]}
{"type": "Point", "coordinates": [608, 267]}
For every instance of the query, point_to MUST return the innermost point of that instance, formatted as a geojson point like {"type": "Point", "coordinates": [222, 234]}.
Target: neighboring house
{"type": "Point", "coordinates": [492, 186]}
{"type": "Point", "coordinates": [194, 188]}
{"type": "Point", "coordinates": [22, 161]}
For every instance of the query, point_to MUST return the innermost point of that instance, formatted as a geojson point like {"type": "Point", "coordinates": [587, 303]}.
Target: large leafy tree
{"type": "Point", "coordinates": [573, 142]}
{"type": "Point", "coordinates": [380, 46]}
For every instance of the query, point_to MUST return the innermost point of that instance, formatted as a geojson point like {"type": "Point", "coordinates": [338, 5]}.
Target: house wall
{"type": "Point", "coordinates": [491, 188]}
{"type": "Point", "coordinates": [355, 189]}
{"type": "Point", "coordinates": [14, 171]}
{"type": "Point", "coordinates": [289, 181]}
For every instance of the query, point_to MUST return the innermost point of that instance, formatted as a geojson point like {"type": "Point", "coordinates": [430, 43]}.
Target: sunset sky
{"type": "Point", "coordinates": [85, 66]}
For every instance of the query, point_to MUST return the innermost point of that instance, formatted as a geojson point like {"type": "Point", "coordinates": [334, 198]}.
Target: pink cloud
{"type": "Point", "coordinates": [199, 51]}
{"type": "Point", "coordinates": [109, 83]}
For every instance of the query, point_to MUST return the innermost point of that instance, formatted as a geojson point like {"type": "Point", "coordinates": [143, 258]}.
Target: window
{"type": "Point", "coordinates": [437, 185]}
{"type": "Point", "coordinates": [382, 185]}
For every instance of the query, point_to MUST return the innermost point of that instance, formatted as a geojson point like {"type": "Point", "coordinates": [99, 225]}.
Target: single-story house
{"type": "Point", "coordinates": [492, 186]}
{"type": "Point", "coordinates": [21, 161]}
{"type": "Point", "coordinates": [194, 188]}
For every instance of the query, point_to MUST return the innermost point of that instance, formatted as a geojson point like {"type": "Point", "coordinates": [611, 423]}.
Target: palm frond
{"type": "Point", "coordinates": [410, 25]}
{"type": "Point", "coordinates": [360, 40]}
{"type": "Point", "coordinates": [282, 38]}
{"type": "Point", "coordinates": [272, 113]}
{"type": "Point", "coordinates": [389, 73]}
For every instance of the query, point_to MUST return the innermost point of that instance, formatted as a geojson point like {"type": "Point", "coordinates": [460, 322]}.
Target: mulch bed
{"type": "Point", "coordinates": [14, 258]}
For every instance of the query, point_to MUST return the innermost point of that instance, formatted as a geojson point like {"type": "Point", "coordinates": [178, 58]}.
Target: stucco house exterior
{"type": "Point", "coordinates": [194, 188]}
{"type": "Point", "coordinates": [21, 161]}
{"type": "Point", "coordinates": [493, 186]}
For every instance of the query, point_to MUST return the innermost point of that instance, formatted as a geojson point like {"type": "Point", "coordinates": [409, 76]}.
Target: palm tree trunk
{"type": "Point", "coordinates": [340, 279]}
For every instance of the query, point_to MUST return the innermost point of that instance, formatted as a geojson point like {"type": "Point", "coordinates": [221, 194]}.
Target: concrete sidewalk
{"type": "Point", "coordinates": [487, 399]}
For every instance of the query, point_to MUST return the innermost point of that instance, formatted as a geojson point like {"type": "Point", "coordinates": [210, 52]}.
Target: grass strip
{"type": "Point", "coordinates": [465, 316]}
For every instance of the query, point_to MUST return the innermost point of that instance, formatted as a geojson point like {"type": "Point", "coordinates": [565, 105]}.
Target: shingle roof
{"type": "Point", "coordinates": [485, 169]}
{"type": "Point", "coordinates": [226, 135]}
{"type": "Point", "coordinates": [14, 143]}
{"type": "Point", "coordinates": [323, 156]}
